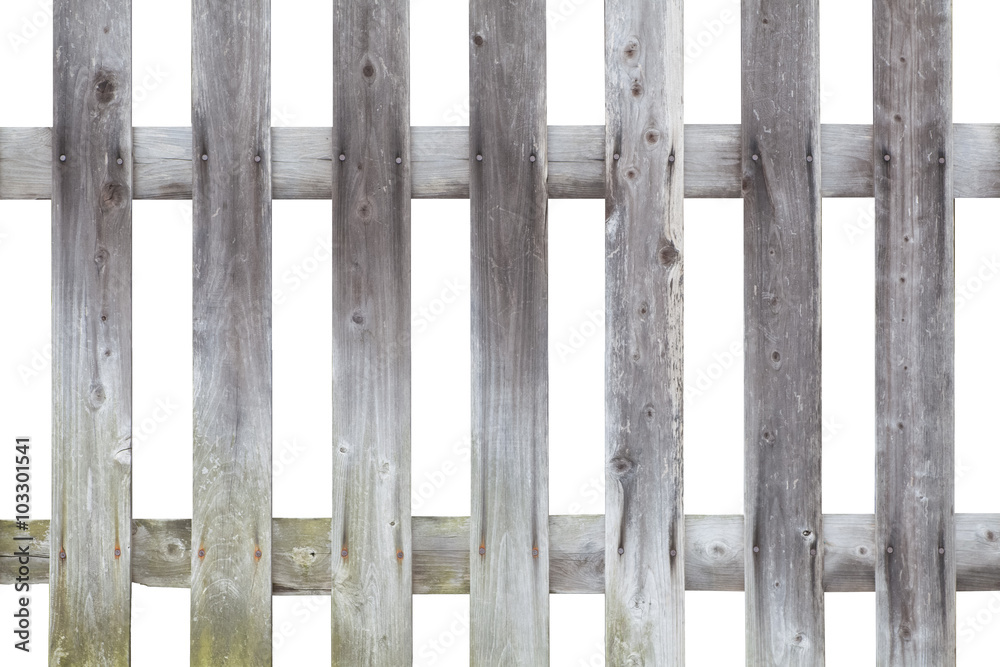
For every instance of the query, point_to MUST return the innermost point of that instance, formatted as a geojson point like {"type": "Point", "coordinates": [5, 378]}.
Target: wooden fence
{"type": "Point", "coordinates": [371, 556]}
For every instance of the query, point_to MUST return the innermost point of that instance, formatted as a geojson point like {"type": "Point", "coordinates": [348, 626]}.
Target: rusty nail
{"type": "Point", "coordinates": [62, 158]}
{"type": "Point", "coordinates": [201, 553]}
{"type": "Point", "coordinates": [621, 550]}
{"type": "Point", "coordinates": [258, 553]}
{"type": "Point", "coordinates": [118, 552]}
{"type": "Point", "coordinates": [343, 553]}
{"type": "Point", "coordinates": [534, 552]}
{"type": "Point", "coordinates": [399, 555]}
{"type": "Point", "coordinates": [482, 550]}
{"type": "Point", "coordinates": [62, 554]}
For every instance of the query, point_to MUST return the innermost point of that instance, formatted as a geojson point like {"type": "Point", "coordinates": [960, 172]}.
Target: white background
{"type": "Point", "coordinates": [302, 95]}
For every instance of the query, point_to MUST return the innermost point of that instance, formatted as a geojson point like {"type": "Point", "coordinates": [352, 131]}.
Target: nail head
{"type": "Point", "coordinates": [482, 550]}
{"type": "Point", "coordinates": [258, 553]}
{"type": "Point", "coordinates": [940, 160]}
{"type": "Point", "coordinates": [888, 550]}
{"type": "Point", "coordinates": [399, 555]}
{"type": "Point", "coordinates": [621, 550]}
{"type": "Point", "coordinates": [531, 158]}
{"type": "Point", "coordinates": [756, 549]}
{"type": "Point", "coordinates": [534, 552]}
{"type": "Point", "coordinates": [201, 553]}
{"type": "Point", "coordinates": [479, 158]}
{"type": "Point", "coordinates": [118, 552]}
{"type": "Point", "coordinates": [120, 161]}
{"type": "Point", "coordinates": [342, 157]}
{"type": "Point", "coordinates": [673, 552]}
{"type": "Point", "coordinates": [62, 158]}
{"type": "Point", "coordinates": [343, 553]}
{"type": "Point", "coordinates": [62, 555]}
{"type": "Point", "coordinates": [399, 160]}
{"type": "Point", "coordinates": [617, 156]}
{"type": "Point", "coordinates": [886, 157]}
{"type": "Point", "coordinates": [809, 158]}
{"type": "Point", "coordinates": [754, 157]}
{"type": "Point", "coordinates": [204, 157]}
{"type": "Point", "coordinates": [671, 158]}
{"type": "Point", "coordinates": [940, 550]}
{"type": "Point", "coordinates": [256, 158]}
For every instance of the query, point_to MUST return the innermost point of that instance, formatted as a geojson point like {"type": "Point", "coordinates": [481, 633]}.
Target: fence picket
{"type": "Point", "coordinates": [509, 546]}
{"type": "Point", "coordinates": [231, 528]}
{"type": "Point", "coordinates": [644, 155]}
{"type": "Point", "coordinates": [783, 539]}
{"type": "Point", "coordinates": [915, 573]}
{"type": "Point", "coordinates": [372, 600]}
{"type": "Point", "coordinates": [91, 172]}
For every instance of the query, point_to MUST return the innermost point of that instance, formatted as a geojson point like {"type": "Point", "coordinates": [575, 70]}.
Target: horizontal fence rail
{"type": "Point", "coordinates": [713, 553]}
{"type": "Point", "coordinates": [302, 162]}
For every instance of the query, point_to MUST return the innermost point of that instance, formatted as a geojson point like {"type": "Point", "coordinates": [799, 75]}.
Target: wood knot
{"type": "Point", "coordinates": [631, 49]}
{"type": "Point", "coordinates": [97, 395]}
{"type": "Point", "coordinates": [649, 411]}
{"type": "Point", "coordinates": [357, 318]}
{"type": "Point", "coordinates": [101, 256]}
{"type": "Point", "coordinates": [636, 89]}
{"type": "Point", "coordinates": [477, 40]}
{"type": "Point", "coordinates": [990, 536]}
{"type": "Point", "coordinates": [368, 70]}
{"type": "Point", "coordinates": [105, 87]}
{"type": "Point", "coordinates": [622, 465]}
{"type": "Point", "coordinates": [652, 137]}
{"type": "Point", "coordinates": [668, 254]}
{"type": "Point", "coordinates": [112, 195]}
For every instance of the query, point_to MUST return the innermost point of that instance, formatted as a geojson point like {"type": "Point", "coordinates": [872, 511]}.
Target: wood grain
{"type": "Point", "coordinates": [302, 162]}
{"type": "Point", "coordinates": [90, 581]}
{"type": "Point", "coordinates": [231, 530]}
{"type": "Point", "coordinates": [644, 367]}
{"type": "Point", "coordinates": [781, 204]}
{"type": "Point", "coordinates": [915, 576]}
{"type": "Point", "coordinates": [508, 540]}
{"type": "Point", "coordinates": [713, 553]}
{"type": "Point", "coordinates": [372, 599]}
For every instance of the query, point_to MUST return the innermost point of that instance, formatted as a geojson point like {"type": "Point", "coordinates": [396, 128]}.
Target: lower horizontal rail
{"type": "Point", "coordinates": [161, 553]}
{"type": "Point", "coordinates": [302, 162]}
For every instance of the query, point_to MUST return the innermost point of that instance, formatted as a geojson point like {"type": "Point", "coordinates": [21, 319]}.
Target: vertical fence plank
{"type": "Point", "coordinates": [781, 190]}
{"type": "Point", "coordinates": [915, 333]}
{"type": "Point", "coordinates": [91, 578]}
{"type": "Point", "coordinates": [231, 527]}
{"type": "Point", "coordinates": [509, 585]}
{"type": "Point", "coordinates": [644, 549]}
{"type": "Point", "coordinates": [372, 589]}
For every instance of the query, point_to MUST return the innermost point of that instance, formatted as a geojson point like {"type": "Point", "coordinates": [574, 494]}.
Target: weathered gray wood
{"type": "Point", "coordinates": [90, 592]}
{"type": "Point", "coordinates": [713, 553]}
{"type": "Point", "coordinates": [372, 588]}
{"type": "Point", "coordinates": [509, 541]}
{"type": "Point", "coordinates": [915, 576]}
{"type": "Point", "coordinates": [302, 162]}
{"type": "Point", "coordinates": [644, 355]}
{"type": "Point", "coordinates": [231, 530]}
{"type": "Point", "coordinates": [781, 196]}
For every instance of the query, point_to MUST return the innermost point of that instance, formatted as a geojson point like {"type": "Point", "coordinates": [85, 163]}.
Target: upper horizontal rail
{"type": "Point", "coordinates": [302, 162]}
{"type": "Point", "coordinates": [713, 553]}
